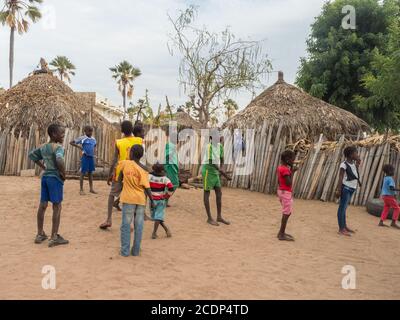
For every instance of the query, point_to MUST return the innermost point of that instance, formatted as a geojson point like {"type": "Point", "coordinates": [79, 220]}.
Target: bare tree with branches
{"type": "Point", "coordinates": [214, 65]}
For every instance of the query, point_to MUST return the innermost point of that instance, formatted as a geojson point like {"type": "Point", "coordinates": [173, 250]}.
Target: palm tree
{"type": "Point", "coordinates": [13, 15]}
{"type": "Point", "coordinates": [64, 67]}
{"type": "Point", "coordinates": [125, 74]}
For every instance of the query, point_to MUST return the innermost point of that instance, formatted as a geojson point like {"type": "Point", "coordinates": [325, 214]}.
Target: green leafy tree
{"type": "Point", "coordinates": [339, 58]}
{"type": "Point", "coordinates": [213, 65]}
{"type": "Point", "coordinates": [382, 106]}
{"type": "Point", "coordinates": [142, 110]}
{"type": "Point", "coordinates": [231, 107]}
{"type": "Point", "coordinates": [125, 74]}
{"type": "Point", "coordinates": [16, 15]}
{"type": "Point", "coordinates": [64, 67]}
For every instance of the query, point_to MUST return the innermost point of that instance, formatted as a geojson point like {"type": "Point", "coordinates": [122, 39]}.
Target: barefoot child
{"type": "Point", "coordinates": [285, 179]}
{"type": "Point", "coordinates": [50, 157]}
{"type": "Point", "coordinates": [211, 171]}
{"type": "Point", "coordinates": [388, 195]}
{"type": "Point", "coordinates": [87, 144]}
{"type": "Point", "coordinates": [161, 189]}
{"type": "Point", "coordinates": [133, 198]}
{"type": "Point", "coordinates": [348, 183]}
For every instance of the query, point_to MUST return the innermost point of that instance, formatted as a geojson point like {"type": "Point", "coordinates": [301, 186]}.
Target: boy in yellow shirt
{"type": "Point", "coordinates": [136, 186]}
{"type": "Point", "coordinates": [132, 136]}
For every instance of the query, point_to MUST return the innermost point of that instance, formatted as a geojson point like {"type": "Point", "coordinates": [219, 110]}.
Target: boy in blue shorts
{"type": "Point", "coordinates": [50, 157]}
{"type": "Point", "coordinates": [87, 144]}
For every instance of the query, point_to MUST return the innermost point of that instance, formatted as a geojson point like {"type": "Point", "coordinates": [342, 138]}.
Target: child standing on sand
{"type": "Point", "coordinates": [87, 144]}
{"type": "Point", "coordinates": [285, 179]}
{"type": "Point", "coordinates": [135, 187]}
{"type": "Point", "coordinates": [50, 157]}
{"type": "Point", "coordinates": [388, 195]}
{"type": "Point", "coordinates": [348, 183]}
{"type": "Point", "coordinates": [161, 189]}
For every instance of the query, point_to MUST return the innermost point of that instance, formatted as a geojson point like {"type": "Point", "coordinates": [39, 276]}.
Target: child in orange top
{"type": "Point", "coordinates": [285, 174]}
{"type": "Point", "coordinates": [136, 186]}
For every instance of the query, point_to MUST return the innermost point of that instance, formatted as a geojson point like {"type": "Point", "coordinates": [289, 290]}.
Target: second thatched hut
{"type": "Point", "coordinates": [281, 116]}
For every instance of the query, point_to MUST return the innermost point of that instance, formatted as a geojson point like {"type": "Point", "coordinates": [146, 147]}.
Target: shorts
{"type": "Point", "coordinates": [158, 213]}
{"type": "Point", "coordinates": [286, 199]}
{"type": "Point", "coordinates": [116, 189]}
{"type": "Point", "coordinates": [52, 190]}
{"type": "Point", "coordinates": [87, 164]}
{"type": "Point", "coordinates": [211, 180]}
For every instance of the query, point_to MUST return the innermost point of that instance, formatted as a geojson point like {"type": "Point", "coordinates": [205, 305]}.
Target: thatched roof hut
{"type": "Point", "coordinates": [301, 115]}
{"type": "Point", "coordinates": [183, 120]}
{"type": "Point", "coordinates": [43, 99]}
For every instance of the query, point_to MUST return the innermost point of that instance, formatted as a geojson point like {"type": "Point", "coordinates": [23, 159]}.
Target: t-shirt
{"type": "Point", "coordinates": [88, 145]}
{"type": "Point", "coordinates": [171, 155]}
{"type": "Point", "coordinates": [387, 183]}
{"type": "Point", "coordinates": [351, 184]}
{"type": "Point", "coordinates": [284, 171]}
{"type": "Point", "coordinates": [49, 152]}
{"type": "Point", "coordinates": [124, 146]}
{"type": "Point", "coordinates": [135, 181]}
{"type": "Point", "coordinates": [214, 155]}
{"type": "Point", "coordinates": [161, 187]}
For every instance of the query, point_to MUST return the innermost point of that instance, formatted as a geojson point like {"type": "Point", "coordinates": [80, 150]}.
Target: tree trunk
{"type": "Point", "coordinates": [11, 57]}
{"type": "Point", "coordinates": [61, 77]}
{"type": "Point", "coordinates": [124, 100]}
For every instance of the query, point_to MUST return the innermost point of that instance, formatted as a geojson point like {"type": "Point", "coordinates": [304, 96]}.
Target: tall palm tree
{"type": "Point", "coordinates": [14, 14]}
{"type": "Point", "coordinates": [64, 67]}
{"type": "Point", "coordinates": [124, 73]}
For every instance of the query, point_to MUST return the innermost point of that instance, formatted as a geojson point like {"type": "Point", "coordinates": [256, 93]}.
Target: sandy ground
{"type": "Point", "coordinates": [242, 261]}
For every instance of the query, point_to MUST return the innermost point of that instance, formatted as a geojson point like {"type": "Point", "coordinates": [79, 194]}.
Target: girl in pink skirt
{"type": "Point", "coordinates": [285, 174]}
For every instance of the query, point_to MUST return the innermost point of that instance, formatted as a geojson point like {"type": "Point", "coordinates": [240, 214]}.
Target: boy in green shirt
{"type": "Point", "coordinates": [211, 171]}
{"type": "Point", "coordinates": [50, 157]}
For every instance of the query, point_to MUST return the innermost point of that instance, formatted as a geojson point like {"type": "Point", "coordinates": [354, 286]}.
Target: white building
{"type": "Point", "coordinates": [103, 106]}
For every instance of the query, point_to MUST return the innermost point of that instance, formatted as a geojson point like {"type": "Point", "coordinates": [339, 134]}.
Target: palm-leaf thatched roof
{"type": "Point", "coordinates": [40, 100]}
{"type": "Point", "coordinates": [301, 115]}
{"type": "Point", "coordinates": [183, 120]}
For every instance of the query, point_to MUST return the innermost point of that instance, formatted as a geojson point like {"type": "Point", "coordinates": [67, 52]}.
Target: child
{"type": "Point", "coordinates": [87, 144]}
{"type": "Point", "coordinates": [135, 186]}
{"type": "Point", "coordinates": [122, 151]}
{"type": "Point", "coordinates": [161, 189]}
{"type": "Point", "coordinates": [211, 171]}
{"type": "Point", "coordinates": [388, 195]}
{"type": "Point", "coordinates": [348, 182]}
{"type": "Point", "coordinates": [285, 179]}
{"type": "Point", "coordinates": [52, 183]}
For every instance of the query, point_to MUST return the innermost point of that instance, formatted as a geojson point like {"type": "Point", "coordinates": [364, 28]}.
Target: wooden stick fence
{"type": "Point", "coordinates": [14, 150]}
{"type": "Point", "coordinates": [317, 177]}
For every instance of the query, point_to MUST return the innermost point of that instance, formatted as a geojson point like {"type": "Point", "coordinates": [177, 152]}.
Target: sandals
{"type": "Point", "coordinates": [105, 226]}
{"type": "Point", "coordinates": [40, 238]}
{"type": "Point", "coordinates": [57, 241]}
{"type": "Point", "coordinates": [285, 237]}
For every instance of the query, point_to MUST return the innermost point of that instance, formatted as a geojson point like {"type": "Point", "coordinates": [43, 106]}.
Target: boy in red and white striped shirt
{"type": "Point", "coordinates": [161, 190]}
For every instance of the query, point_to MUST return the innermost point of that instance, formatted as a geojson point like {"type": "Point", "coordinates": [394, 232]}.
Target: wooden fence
{"type": "Point", "coordinates": [14, 150]}
{"type": "Point", "coordinates": [317, 177]}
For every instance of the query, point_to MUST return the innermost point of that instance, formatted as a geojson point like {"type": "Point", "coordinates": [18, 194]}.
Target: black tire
{"type": "Point", "coordinates": [375, 207]}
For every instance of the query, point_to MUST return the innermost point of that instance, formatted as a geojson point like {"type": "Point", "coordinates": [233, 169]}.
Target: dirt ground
{"type": "Point", "coordinates": [241, 261]}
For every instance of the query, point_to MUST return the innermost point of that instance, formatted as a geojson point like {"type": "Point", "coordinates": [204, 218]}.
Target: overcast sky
{"type": "Point", "coordinates": [97, 34]}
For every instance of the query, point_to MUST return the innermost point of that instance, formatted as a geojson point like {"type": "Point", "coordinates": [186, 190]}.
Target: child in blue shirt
{"type": "Point", "coordinates": [50, 157]}
{"type": "Point", "coordinates": [388, 195]}
{"type": "Point", "coordinates": [87, 144]}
